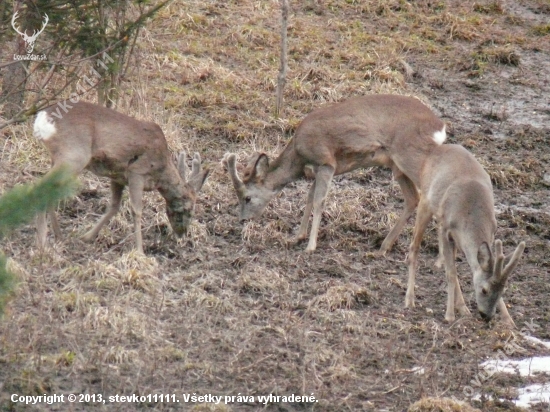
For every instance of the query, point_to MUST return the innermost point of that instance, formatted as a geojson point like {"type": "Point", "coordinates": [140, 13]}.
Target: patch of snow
{"type": "Point", "coordinates": [532, 394]}
{"type": "Point", "coordinates": [525, 367]}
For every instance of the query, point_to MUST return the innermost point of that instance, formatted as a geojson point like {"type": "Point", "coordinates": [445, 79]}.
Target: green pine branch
{"type": "Point", "coordinates": [21, 204]}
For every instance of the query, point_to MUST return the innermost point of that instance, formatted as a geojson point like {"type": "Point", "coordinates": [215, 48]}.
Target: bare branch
{"type": "Point", "coordinates": [281, 79]}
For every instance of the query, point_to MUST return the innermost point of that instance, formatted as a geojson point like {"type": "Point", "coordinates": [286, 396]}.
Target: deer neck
{"type": "Point", "coordinates": [471, 234]}
{"type": "Point", "coordinates": [286, 168]}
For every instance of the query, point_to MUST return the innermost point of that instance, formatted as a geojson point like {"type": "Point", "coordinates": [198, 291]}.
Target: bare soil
{"type": "Point", "coordinates": [239, 309]}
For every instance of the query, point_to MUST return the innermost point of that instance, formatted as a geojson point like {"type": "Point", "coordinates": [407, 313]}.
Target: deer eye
{"type": "Point", "coordinates": [484, 291]}
{"type": "Point", "coordinates": [247, 199]}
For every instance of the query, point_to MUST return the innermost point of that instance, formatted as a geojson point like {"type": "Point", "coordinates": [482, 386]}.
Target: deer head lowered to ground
{"type": "Point", "coordinates": [458, 192]}
{"type": "Point", "coordinates": [29, 40]}
{"type": "Point", "coordinates": [376, 130]}
{"type": "Point", "coordinates": [126, 150]}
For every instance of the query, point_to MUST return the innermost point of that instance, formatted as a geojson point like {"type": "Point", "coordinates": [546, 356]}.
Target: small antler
{"type": "Point", "coordinates": [229, 161]}
{"type": "Point", "coordinates": [198, 174]}
{"type": "Point", "coordinates": [514, 259]}
{"type": "Point", "coordinates": [499, 262]}
{"type": "Point", "coordinates": [182, 165]}
{"type": "Point", "coordinates": [501, 273]}
{"type": "Point", "coordinates": [196, 167]}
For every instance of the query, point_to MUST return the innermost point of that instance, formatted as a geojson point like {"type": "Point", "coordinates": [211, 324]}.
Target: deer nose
{"type": "Point", "coordinates": [484, 316]}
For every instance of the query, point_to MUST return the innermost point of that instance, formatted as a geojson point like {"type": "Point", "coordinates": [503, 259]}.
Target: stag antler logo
{"type": "Point", "coordinates": [29, 40]}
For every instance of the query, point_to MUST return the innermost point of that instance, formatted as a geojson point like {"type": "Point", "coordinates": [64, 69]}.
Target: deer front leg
{"type": "Point", "coordinates": [322, 184]}
{"type": "Point", "coordinates": [460, 304]}
{"type": "Point", "coordinates": [453, 287]}
{"type": "Point", "coordinates": [459, 300]}
{"type": "Point", "coordinates": [112, 209]}
{"type": "Point", "coordinates": [411, 197]}
{"type": "Point", "coordinates": [423, 217]}
{"type": "Point", "coordinates": [506, 318]}
{"type": "Point", "coordinates": [136, 184]}
{"type": "Point", "coordinates": [302, 231]}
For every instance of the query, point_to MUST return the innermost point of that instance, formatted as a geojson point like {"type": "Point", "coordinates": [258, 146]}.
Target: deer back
{"type": "Point", "coordinates": [350, 134]}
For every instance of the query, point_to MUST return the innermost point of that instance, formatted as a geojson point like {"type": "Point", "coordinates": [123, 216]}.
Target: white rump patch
{"type": "Point", "coordinates": [44, 127]}
{"type": "Point", "coordinates": [440, 136]}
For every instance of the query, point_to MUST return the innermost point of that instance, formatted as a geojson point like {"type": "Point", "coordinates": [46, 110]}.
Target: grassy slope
{"type": "Point", "coordinates": [231, 310]}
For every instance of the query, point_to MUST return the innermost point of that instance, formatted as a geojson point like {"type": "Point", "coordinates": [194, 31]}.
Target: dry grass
{"type": "Point", "coordinates": [440, 405]}
{"type": "Point", "coordinates": [241, 309]}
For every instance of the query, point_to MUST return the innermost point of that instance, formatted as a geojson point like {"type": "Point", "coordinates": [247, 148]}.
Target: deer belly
{"type": "Point", "coordinates": [105, 168]}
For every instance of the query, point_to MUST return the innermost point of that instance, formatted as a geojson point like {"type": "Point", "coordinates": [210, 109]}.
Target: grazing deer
{"type": "Point", "coordinates": [360, 132]}
{"type": "Point", "coordinates": [126, 150]}
{"type": "Point", "coordinates": [458, 192]}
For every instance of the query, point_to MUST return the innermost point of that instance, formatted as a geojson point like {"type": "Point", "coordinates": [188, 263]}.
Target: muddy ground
{"type": "Point", "coordinates": [240, 310]}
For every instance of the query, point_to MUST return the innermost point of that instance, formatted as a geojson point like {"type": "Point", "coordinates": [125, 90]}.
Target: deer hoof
{"type": "Point", "coordinates": [464, 311]}
{"type": "Point", "coordinates": [450, 318]}
{"type": "Point", "coordinates": [88, 237]}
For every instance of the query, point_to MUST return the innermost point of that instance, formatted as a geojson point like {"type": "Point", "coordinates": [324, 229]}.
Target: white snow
{"type": "Point", "coordinates": [532, 394]}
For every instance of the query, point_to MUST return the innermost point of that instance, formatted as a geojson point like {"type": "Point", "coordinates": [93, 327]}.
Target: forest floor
{"type": "Point", "coordinates": [239, 310]}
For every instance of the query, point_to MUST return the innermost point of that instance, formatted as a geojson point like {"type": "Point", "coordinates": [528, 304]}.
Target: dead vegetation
{"type": "Point", "coordinates": [440, 405]}
{"type": "Point", "coordinates": [239, 309]}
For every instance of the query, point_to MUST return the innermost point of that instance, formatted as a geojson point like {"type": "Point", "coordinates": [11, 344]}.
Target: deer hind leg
{"type": "Point", "coordinates": [136, 185]}
{"type": "Point", "coordinates": [322, 184]}
{"type": "Point", "coordinates": [411, 201]}
{"type": "Point", "coordinates": [55, 223]}
{"type": "Point", "coordinates": [76, 164]}
{"type": "Point", "coordinates": [42, 226]}
{"type": "Point", "coordinates": [41, 230]}
{"type": "Point", "coordinates": [302, 231]}
{"type": "Point", "coordinates": [440, 258]}
{"type": "Point", "coordinates": [423, 217]}
{"type": "Point", "coordinates": [112, 209]}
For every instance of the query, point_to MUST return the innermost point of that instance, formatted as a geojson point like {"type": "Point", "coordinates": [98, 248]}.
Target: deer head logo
{"type": "Point", "coordinates": [29, 40]}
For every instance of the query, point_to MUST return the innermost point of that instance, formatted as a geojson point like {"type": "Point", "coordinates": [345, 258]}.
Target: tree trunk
{"type": "Point", "coordinates": [14, 77]}
{"type": "Point", "coordinates": [281, 79]}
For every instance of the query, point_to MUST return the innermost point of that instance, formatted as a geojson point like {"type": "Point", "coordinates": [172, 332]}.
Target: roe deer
{"type": "Point", "coordinates": [458, 192]}
{"type": "Point", "coordinates": [126, 150]}
{"type": "Point", "coordinates": [360, 132]}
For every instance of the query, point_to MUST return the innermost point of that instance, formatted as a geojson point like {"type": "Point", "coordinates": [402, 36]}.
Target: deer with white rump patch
{"type": "Point", "coordinates": [339, 138]}
{"type": "Point", "coordinates": [458, 192]}
{"type": "Point", "coordinates": [126, 150]}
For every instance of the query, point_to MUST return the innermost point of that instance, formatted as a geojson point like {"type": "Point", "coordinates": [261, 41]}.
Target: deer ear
{"type": "Point", "coordinates": [261, 166]}
{"type": "Point", "coordinates": [485, 257]}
